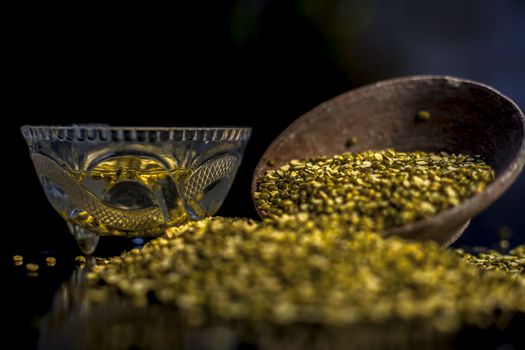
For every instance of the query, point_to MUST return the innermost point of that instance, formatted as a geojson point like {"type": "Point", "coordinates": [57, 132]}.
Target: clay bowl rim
{"type": "Point", "coordinates": [469, 207]}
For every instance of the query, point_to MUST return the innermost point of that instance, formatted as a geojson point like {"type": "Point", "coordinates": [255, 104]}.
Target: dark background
{"type": "Point", "coordinates": [258, 63]}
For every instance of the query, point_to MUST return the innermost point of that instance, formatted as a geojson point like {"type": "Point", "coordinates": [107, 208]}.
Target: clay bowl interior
{"type": "Point", "coordinates": [465, 117]}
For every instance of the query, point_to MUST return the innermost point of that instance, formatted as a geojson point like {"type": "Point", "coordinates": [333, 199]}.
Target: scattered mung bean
{"type": "Point", "coordinates": [32, 267]}
{"type": "Point", "coordinates": [351, 141]}
{"type": "Point", "coordinates": [18, 260]}
{"type": "Point", "coordinates": [51, 261]}
{"type": "Point", "coordinates": [80, 261]}
{"type": "Point", "coordinates": [423, 115]}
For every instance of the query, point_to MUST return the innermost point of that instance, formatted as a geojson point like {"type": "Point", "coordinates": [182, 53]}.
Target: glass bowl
{"type": "Point", "coordinates": [133, 181]}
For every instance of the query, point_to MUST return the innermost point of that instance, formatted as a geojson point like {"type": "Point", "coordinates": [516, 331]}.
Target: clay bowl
{"type": "Point", "coordinates": [466, 117]}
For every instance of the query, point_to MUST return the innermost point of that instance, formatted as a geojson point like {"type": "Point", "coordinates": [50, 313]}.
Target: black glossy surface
{"type": "Point", "coordinates": [256, 63]}
{"type": "Point", "coordinates": [53, 312]}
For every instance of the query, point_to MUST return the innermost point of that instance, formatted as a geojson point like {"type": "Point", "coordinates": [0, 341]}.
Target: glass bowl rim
{"type": "Point", "coordinates": [104, 132]}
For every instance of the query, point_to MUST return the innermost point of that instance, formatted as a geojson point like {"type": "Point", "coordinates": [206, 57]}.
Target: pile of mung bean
{"type": "Point", "coordinates": [306, 264]}
{"type": "Point", "coordinates": [313, 270]}
{"type": "Point", "coordinates": [372, 190]}
{"type": "Point", "coordinates": [512, 262]}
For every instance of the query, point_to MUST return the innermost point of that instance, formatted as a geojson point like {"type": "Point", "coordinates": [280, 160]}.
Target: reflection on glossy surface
{"type": "Point", "coordinates": [85, 318]}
